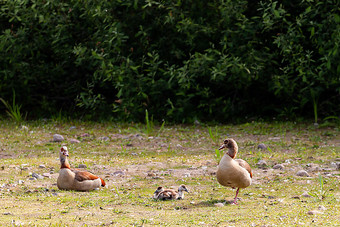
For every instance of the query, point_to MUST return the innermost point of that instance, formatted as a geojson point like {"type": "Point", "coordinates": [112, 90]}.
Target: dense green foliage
{"type": "Point", "coordinates": [180, 60]}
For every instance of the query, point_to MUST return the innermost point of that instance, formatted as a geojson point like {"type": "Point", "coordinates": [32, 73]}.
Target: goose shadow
{"type": "Point", "coordinates": [212, 202]}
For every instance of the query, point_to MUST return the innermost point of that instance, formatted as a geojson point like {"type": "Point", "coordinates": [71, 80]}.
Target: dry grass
{"type": "Point", "coordinates": [134, 164]}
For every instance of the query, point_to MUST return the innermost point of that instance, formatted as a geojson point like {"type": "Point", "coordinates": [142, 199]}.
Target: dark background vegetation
{"type": "Point", "coordinates": [181, 60]}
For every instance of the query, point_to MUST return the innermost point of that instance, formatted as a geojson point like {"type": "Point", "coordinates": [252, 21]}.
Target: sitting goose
{"type": "Point", "coordinates": [156, 193]}
{"type": "Point", "coordinates": [234, 173]}
{"type": "Point", "coordinates": [170, 194]}
{"type": "Point", "coordinates": [75, 179]}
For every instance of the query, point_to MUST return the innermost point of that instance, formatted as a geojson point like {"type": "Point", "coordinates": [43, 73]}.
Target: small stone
{"type": "Point", "coordinates": [282, 217]}
{"type": "Point", "coordinates": [47, 175]}
{"type": "Point", "coordinates": [187, 175]}
{"type": "Point", "coordinates": [58, 138]}
{"type": "Point", "coordinates": [20, 181]}
{"type": "Point", "coordinates": [37, 176]}
{"type": "Point", "coordinates": [74, 141]}
{"type": "Point", "coordinates": [219, 205]}
{"type": "Point", "coordinates": [280, 200]}
{"type": "Point", "coordinates": [322, 208]}
{"type": "Point", "coordinates": [119, 172]}
{"type": "Point", "coordinates": [313, 212]}
{"type": "Point", "coordinates": [262, 146]}
{"type": "Point", "coordinates": [314, 167]}
{"type": "Point", "coordinates": [24, 127]}
{"type": "Point", "coordinates": [83, 166]}
{"type": "Point", "coordinates": [288, 161]}
{"type": "Point", "coordinates": [302, 173]}
{"type": "Point", "coordinates": [32, 178]}
{"type": "Point", "coordinates": [261, 163]}
{"type": "Point", "coordinates": [104, 138]}
{"type": "Point", "coordinates": [85, 135]}
{"type": "Point", "coordinates": [136, 135]}
{"type": "Point", "coordinates": [42, 166]}
{"type": "Point", "coordinates": [305, 194]}
{"type": "Point", "coordinates": [7, 213]}
{"type": "Point", "coordinates": [278, 166]}
{"type": "Point", "coordinates": [72, 127]}
{"type": "Point", "coordinates": [151, 174]}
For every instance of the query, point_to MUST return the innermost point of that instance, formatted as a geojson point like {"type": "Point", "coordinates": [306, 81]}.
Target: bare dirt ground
{"type": "Point", "coordinates": [134, 164]}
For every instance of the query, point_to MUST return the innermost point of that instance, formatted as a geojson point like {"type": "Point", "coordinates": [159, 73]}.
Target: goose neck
{"type": "Point", "coordinates": [64, 162]}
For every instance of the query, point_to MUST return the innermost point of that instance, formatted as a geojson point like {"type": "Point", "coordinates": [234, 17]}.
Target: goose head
{"type": "Point", "coordinates": [183, 188]}
{"type": "Point", "coordinates": [232, 147]}
{"type": "Point", "coordinates": [63, 151]}
{"type": "Point", "coordinates": [181, 191]}
{"type": "Point", "coordinates": [156, 193]}
{"type": "Point", "coordinates": [158, 190]}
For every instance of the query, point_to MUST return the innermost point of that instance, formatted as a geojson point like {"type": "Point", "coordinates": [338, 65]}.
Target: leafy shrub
{"type": "Point", "coordinates": [182, 61]}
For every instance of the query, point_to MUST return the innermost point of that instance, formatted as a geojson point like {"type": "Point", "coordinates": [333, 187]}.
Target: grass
{"type": "Point", "coordinates": [150, 125]}
{"type": "Point", "coordinates": [134, 164]}
{"type": "Point", "coordinates": [14, 110]}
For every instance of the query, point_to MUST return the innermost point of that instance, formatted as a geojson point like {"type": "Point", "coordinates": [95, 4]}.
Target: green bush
{"type": "Point", "coordinates": [180, 60]}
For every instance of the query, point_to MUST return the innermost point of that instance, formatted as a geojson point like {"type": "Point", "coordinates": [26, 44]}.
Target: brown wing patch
{"type": "Point", "coordinates": [167, 194]}
{"type": "Point", "coordinates": [83, 175]}
{"type": "Point", "coordinates": [245, 165]}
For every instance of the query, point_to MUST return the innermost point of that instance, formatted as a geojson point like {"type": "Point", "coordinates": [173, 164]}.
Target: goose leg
{"type": "Point", "coordinates": [235, 199]}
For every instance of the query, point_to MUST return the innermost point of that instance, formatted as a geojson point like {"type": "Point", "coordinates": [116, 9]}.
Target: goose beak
{"type": "Point", "coordinates": [222, 147]}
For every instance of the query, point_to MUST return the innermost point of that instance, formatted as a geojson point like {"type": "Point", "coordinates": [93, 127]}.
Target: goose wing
{"type": "Point", "coordinates": [167, 194]}
{"type": "Point", "coordinates": [84, 175]}
{"type": "Point", "coordinates": [245, 165]}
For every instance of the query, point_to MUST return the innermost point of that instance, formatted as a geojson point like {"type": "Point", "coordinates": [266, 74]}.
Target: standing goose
{"type": "Point", "coordinates": [170, 194]}
{"type": "Point", "coordinates": [75, 179]}
{"type": "Point", "coordinates": [234, 173]}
